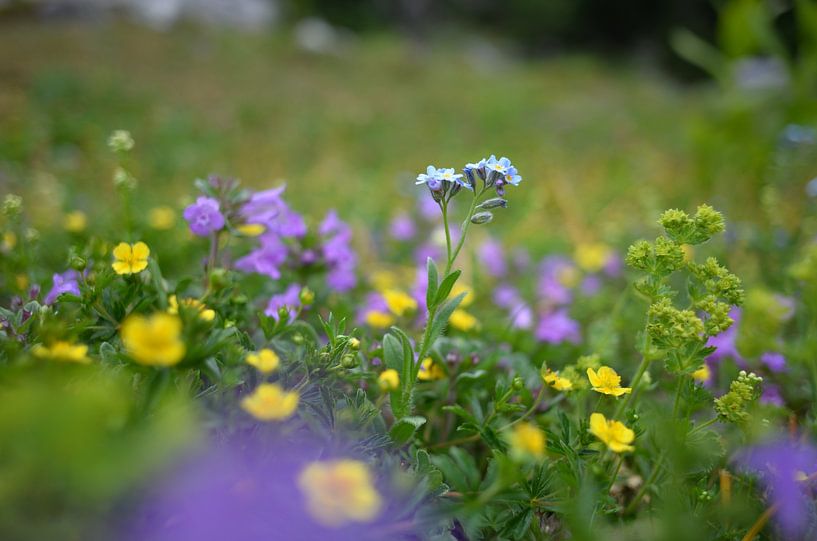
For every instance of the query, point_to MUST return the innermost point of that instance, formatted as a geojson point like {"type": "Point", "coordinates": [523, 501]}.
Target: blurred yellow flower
{"type": "Point", "coordinates": [462, 320]}
{"type": "Point", "coordinates": [75, 221]}
{"type": "Point", "coordinates": [251, 230]}
{"type": "Point", "coordinates": [378, 319]}
{"type": "Point", "coordinates": [399, 303]}
{"type": "Point", "coordinates": [459, 288]}
{"type": "Point", "coordinates": [154, 340]}
{"type": "Point", "coordinates": [383, 279]}
{"type": "Point", "coordinates": [9, 240]}
{"type": "Point", "coordinates": [265, 360]}
{"type": "Point", "coordinates": [702, 374]}
{"type": "Point", "coordinates": [62, 351]}
{"type": "Point", "coordinates": [592, 256]}
{"type": "Point", "coordinates": [21, 280]}
{"type": "Point", "coordinates": [568, 276]}
{"type": "Point", "coordinates": [388, 380]}
{"type": "Point", "coordinates": [130, 258]}
{"type": "Point", "coordinates": [607, 381]}
{"type": "Point", "coordinates": [429, 370]}
{"type": "Point", "coordinates": [527, 441]}
{"type": "Point", "coordinates": [613, 433]}
{"type": "Point", "coordinates": [339, 491]}
{"type": "Point", "coordinates": [162, 218]}
{"type": "Point", "coordinates": [270, 402]}
{"type": "Point", "coordinates": [557, 382]}
{"type": "Point", "coordinates": [205, 313]}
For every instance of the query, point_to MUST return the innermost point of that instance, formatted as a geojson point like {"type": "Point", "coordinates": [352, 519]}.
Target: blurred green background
{"type": "Point", "coordinates": [605, 136]}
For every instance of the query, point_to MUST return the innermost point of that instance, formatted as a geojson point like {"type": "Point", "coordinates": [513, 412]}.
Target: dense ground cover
{"type": "Point", "coordinates": [489, 354]}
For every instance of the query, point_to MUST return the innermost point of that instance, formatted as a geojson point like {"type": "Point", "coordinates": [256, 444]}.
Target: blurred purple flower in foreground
{"type": "Point", "coordinates": [782, 466]}
{"type": "Point", "coordinates": [67, 282]}
{"type": "Point", "coordinates": [774, 361]}
{"type": "Point", "coordinates": [240, 494]}
{"type": "Point", "coordinates": [557, 327]}
{"type": "Point", "coordinates": [204, 216]}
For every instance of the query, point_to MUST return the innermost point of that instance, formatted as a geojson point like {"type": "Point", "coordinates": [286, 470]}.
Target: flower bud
{"type": "Point", "coordinates": [518, 383]}
{"type": "Point", "coordinates": [298, 338]}
{"type": "Point", "coordinates": [482, 218]}
{"type": "Point", "coordinates": [306, 296]}
{"type": "Point", "coordinates": [348, 361]}
{"type": "Point", "coordinates": [354, 344]}
{"type": "Point", "coordinates": [493, 203]}
{"type": "Point", "coordinates": [78, 263]}
{"type": "Point", "coordinates": [219, 278]}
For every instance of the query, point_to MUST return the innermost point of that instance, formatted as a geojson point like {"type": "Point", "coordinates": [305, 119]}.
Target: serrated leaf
{"type": "Point", "coordinates": [404, 428]}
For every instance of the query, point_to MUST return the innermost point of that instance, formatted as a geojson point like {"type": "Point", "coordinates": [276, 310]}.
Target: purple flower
{"type": "Point", "coordinates": [492, 258]}
{"type": "Point", "coordinates": [780, 466]}
{"type": "Point", "coordinates": [551, 280]}
{"type": "Point", "coordinates": [402, 227]}
{"type": "Point", "coordinates": [774, 361]}
{"type": "Point", "coordinates": [67, 282]}
{"type": "Point", "coordinates": [437, 179]}
{"type": "Point", "coordinates": [771, 395]}
{"type": "Point", "coordinates": [521, 316]}
{"type": "Point", "coordinates": [340, 258]}
{"type": "Point", "coordinates": [269, 209]}
{"type": "Point", "coordinates": [204, 216]}
{"type": "Point", "coordinates": [246, 491]}
{"type": "Point", "coordinates": [613, 266]}
{"type": "Point", "coordinates": [506, 295]}
{"type": "Point", "coordinates": [557, 327]}
{"type": "Point", "coordinates": [289, 299]}
{"type": "Point", "coordinates": [591, 285]}
{"type": "Point", "coordinates": [267, 258]}
{"type": "Point", "coordinates": [429, 209]}
{"type": "Point", "coordinates": [725, 342]}
{"type": "Point", "coordinates": [426, 250]}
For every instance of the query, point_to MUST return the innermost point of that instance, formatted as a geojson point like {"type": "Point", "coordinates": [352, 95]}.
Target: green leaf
{"type": "Point", "coordinates": [393, 353]}
{"type": "Point", "coordinates": [433, 278]}
{"type": "Point", "coordinates": [158, 282]}
{"type": "Point", "coordinates": [403, 429]}
{"type": "Point", "coordinates": [446, 286]}
{"type": "Point", "coordinates": [441, 320]}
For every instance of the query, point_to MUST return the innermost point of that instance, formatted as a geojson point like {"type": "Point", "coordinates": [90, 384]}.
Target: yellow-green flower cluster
{"type": "Point", "coordinates": [743, 393]}
{"type": "Point", "coordinates": [671, 328]}
{"type": "Point", "coordinates": [686, 229]}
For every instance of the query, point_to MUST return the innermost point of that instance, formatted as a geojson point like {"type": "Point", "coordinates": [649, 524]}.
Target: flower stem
{"type": "Point", "coordinates": [643, 490]}
{"type": "Point", "coordinates": [645, 361]}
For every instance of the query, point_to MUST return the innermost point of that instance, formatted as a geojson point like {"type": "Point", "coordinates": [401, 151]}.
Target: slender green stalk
{"type": "Point", "coordinates": [645, 361]}
{"type": "Point", "coordinates": [702, 426]}
{"type": "Point", "coordinates": [643, 490]}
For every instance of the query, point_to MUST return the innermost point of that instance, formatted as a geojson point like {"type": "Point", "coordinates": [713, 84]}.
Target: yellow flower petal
{"type": "Point", "coordinates": [140, 251]}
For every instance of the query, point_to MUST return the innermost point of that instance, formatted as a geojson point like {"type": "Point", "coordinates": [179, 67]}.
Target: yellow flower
{"type": "Point", "coordinates": [389, 380]}
{"type": "Point", "coordinates": [557, 382]}
{"type": "Point", "coordinates": [462, 320]}
{"type": "Point", "coordinates": [9, 240]}
{"type": "Point", "coordinates": [154, 340]}
{"type": "Point", "coordinates": [339, 491]}
{"type": "Point", "coordinates": [205, 313]}
{"type": "Point", "coordinates": [383, 279]}
{"type": "Point", "coordinates": [613, 433]}
{"type": "Point", "coordinates": [130, 258]}
{"type": "Point", "coordinates": [265, 360]}
{"type": "Point", "coordinates": [21, 280]}
{"type": "Point", "coordinates": [62, 351]}
{"type": "Point", "coordinates": [607, 381]}
{"type": "Point", "coordinates": [270, 402]}
{"type": "Point", "coordinates": [161, 218]}
{"type": "Point", "coordinates": [702, 374]}
{"type": "Point", "coordinates": [593, 256]}
{"type": "Point", "coordinates": [462, 288]}
{"type": "Point", "coordinates": [75, 222]}
{"type": "Point", "coordinates": [399, 302]}
{"type": "Point", "coordinates": [378, 319]}
{"type": "Point", "coordinates": [251, 230]}
{"type": "Point", "coordinates": [527, 441]}
{"type": "Point", "coordinates": [429, 370]}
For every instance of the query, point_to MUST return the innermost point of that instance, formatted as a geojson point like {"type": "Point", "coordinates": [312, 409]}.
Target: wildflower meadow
{"type": "Point", "coordinates": [406, 298]}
